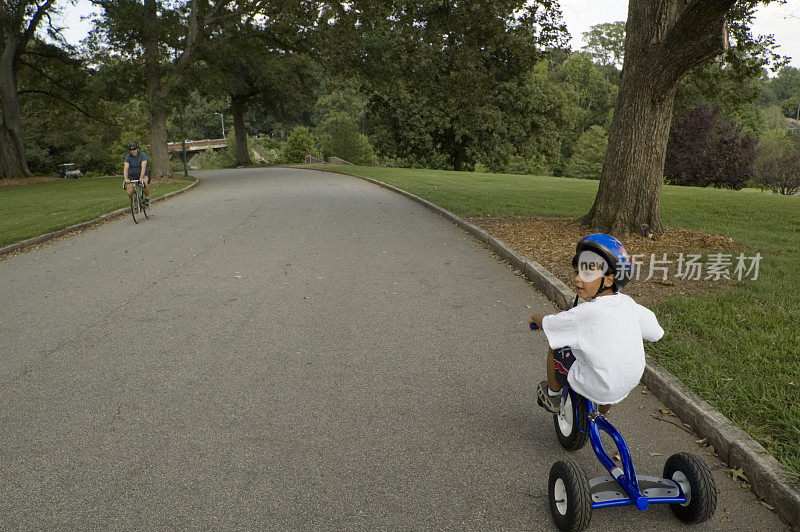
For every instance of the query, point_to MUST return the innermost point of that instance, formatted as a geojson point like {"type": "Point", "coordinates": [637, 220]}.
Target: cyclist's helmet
{"type": "Point", "coordinates": [133, 145]}
{"type": "Point", "coordinates": [617, 258]}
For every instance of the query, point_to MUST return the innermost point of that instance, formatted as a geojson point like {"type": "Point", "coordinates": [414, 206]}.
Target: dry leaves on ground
{"type": "Point", "coordinates": [551, 243]}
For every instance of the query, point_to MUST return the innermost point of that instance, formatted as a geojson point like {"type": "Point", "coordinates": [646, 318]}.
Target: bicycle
{"type": "Point", "coordinates": [138, 204]}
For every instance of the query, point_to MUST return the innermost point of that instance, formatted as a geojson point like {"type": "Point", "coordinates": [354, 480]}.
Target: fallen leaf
{"type": "Point", "coordinates": [666, 411]}
{"type": "Point", "coordinates": [617, 457]}
{"type": "Point", "coordinates": [763, 400]}
{"type": "Point", "coordinates": [701, 442]}
{"type": "Point", "coordinates": [528, 306]}
{"type": "Point", "coordinates": [738, 474]}
{"type": "Point", "coordinates": [656, 454]}
{"type": "Point", "coordinates": [767, 506]}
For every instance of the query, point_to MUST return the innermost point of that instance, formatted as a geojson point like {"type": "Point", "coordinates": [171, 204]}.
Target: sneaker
{"type": "Point", "coordinates": [547, 401]}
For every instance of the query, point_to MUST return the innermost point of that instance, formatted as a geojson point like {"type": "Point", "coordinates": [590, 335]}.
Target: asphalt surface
{"type": "Point", "coordinates": [283, 348]}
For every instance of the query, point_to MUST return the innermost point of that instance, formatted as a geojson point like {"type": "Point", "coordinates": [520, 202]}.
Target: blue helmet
{"type": "Point", "coordinates": [618, 260]}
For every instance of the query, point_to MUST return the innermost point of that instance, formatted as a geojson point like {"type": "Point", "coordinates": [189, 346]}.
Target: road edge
{"type": "Point", "coordinates": [23, 244]}
{"type": "Point", "coordinates": [739, 450]}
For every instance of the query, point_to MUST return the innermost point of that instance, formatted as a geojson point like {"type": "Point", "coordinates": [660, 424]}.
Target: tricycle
{"type": "Point", "coordinates": [686, 484]}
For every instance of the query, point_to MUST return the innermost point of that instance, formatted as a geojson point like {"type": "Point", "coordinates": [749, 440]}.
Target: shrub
{"type": "Point", "coordinates": [778, 163]}
{"type": "Point", "coordinates": [298, 144]}
{"type": "Point", "coordinates": [338, 136]}
{"type": "Point", "coordinates": [588, 155]}
{"type": "Point", "coordinates": [213, 159]}
{"type": "Point", "coordinates": [366, 153]}
{"type": "Point", "coordinates": [707, 148]}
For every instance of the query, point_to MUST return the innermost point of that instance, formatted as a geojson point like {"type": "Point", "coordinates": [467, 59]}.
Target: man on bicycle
{"type": "Point", "coordinates": [136, 168]}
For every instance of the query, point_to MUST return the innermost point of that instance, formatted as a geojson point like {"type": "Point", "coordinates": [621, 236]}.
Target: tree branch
{"type": "Point", "coordinates": [41, 11]}
{"type": "Point", "coordinates": [699, 33]}
{"type": "Point", "coordinates": [72, 104]}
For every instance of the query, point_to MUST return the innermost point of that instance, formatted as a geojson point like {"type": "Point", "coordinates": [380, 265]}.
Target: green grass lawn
{"type": "Point", "coordinates": [31, 210]}
{"type": "Point", "coordinates": [739, 348]}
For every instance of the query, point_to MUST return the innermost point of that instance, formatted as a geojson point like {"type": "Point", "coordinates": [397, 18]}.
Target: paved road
{"type": "Point", "coordinates": [289, 349]}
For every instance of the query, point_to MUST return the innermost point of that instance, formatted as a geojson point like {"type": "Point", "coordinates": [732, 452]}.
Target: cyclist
{"type": "Point", "coordinates": [136, 168]}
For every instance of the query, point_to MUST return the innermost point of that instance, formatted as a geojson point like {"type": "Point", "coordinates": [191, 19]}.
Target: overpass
{"type": "Point", "coordinates": [198, 145]}
{"type": "Point", "coordinates": [193, 147]}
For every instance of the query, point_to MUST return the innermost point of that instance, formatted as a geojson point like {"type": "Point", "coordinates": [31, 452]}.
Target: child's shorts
{"type": "Point", "coordinates": [563, 358]}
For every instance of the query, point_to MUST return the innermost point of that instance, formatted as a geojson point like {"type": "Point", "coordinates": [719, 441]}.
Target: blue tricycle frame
{"type": "Point", "coordinates": [687, 484]}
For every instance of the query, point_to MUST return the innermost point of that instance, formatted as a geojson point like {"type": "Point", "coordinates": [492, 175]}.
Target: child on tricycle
{"type": "Point", "coordinates": [596, 358]}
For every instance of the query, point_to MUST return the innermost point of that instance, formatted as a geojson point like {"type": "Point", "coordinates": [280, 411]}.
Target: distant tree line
{"type": "Point", "coordinates": [461, 85]}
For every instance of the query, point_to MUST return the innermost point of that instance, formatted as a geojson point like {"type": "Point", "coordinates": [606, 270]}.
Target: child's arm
{"type": "Point", "coordinates": [651, 330]}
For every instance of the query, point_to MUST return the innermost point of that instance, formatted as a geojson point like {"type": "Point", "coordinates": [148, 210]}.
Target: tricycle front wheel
{"type": "Point", "coordinates": [570, 423]}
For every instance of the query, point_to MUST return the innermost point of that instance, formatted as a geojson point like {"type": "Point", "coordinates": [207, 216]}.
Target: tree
{"type": "Point", "coordinates": [19, 22]}
{"type": "Point", "coordinates": [595, 94]}
{"type": "Point", "coordinates": [665, 39]}
{"type": "Point", "coordinates": [263, 59]}
{"type": "Point", "coordinates": [447, 59]}
{"type": "Point", "coordinates": [587, 158]}
{"type": "Point", "coordinates": [65, 114]}
{"type": "Point", "coordinates": [606, 42]}
{"type": "Point", "coordinates": [707, 148]}
{"type": "Point", "coordinates": [787, 83]}
{"type": "Point", "coordinates": [166, 37]}
{"type": "Point", "coordinates": [778, 163]}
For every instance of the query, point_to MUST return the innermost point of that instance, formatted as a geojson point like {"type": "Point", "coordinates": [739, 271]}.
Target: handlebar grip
{"type": "Point", "coordinates": [534, 327]}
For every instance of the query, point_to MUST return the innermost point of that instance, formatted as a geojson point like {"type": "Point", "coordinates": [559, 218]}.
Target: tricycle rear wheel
{"type": "Point", "coordinates": [570, 496]}
{"type": "Point", "coordinates": [697, 483]}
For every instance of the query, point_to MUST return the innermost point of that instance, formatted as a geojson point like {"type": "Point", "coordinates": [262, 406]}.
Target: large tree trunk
{"type": "Point", "coordinates": [12, 148]}
{"type": "Point", "coordinates": [159, 155]}
{"type": "Point", "coordinates": [458, 158]}
{"type": "Point", "coordinates": [157, 93]}
{"type": "Point", "coordinates": [664, 40]}
{"type": "Point", "coordinates": [630, 184]}
{"type": "Point", "coordinates": [238, 106]}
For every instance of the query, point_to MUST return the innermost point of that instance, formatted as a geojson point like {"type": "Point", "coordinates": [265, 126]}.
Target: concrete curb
{"type": "Point", "coordinates": [733, 445]}
{"type": "Point", "coordinates": [11, 248]}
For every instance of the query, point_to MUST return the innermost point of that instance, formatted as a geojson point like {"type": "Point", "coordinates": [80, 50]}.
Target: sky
{"type": "Point", "coordinates": [781, 20]}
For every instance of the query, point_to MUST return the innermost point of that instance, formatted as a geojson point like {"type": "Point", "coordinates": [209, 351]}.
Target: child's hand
{"type": "Point", "coordinates": [536, 319]}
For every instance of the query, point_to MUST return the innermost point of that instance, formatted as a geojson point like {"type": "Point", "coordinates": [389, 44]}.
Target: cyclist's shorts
{"type": "Point", "coordinates": [563, 358]}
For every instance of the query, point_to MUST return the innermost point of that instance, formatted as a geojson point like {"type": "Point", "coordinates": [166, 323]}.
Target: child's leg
{"type": "Point", "coordinates": [552, 383]}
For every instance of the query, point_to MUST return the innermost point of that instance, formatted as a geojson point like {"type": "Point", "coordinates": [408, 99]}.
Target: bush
{"type": "Point", "coordinates": [338, 136]}
{"type": "Point", "coordinates": [366, 153]}
{"type": "Point", "coordinates": [213, 160]}
{"type": "Point", "coordinates": [778, 163]}
{"type": "Point", "coordinates": [707, 148]}
{"type": "Point", "coordinates": [434, 161]}
{"type": "Point", "coordinates": [588, 155]}
{"type": "Point", "coordinates": [297, 145]}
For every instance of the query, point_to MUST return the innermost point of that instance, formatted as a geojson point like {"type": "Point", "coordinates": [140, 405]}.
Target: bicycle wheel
{"type": "Point", "coordinates": [135, 207]}
{"type": "Point", "coordinates": [143, 204]}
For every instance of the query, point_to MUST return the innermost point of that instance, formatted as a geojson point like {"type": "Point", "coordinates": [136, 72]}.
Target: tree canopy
{"type": "Point", "coordinates": [448, 84]}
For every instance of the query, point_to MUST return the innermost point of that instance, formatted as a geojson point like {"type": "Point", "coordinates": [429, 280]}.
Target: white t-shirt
{"type": "Point", "coordinates": [605, 335]}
